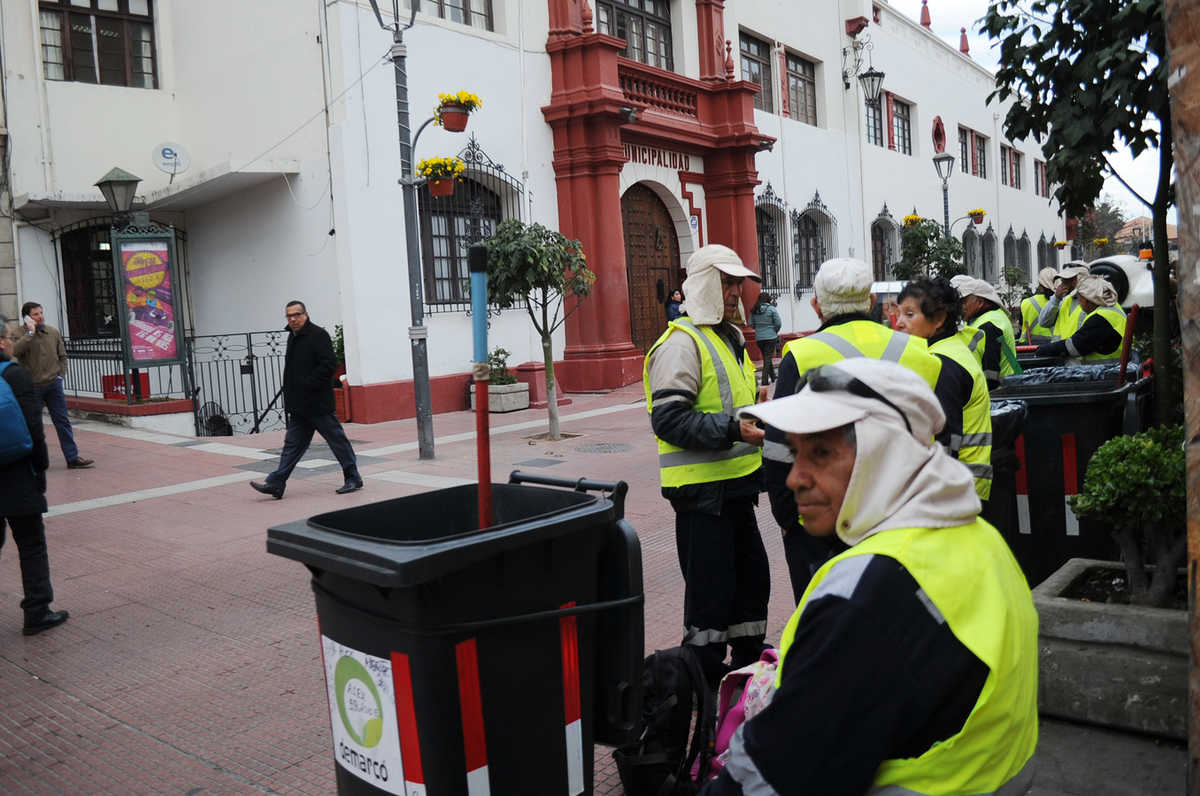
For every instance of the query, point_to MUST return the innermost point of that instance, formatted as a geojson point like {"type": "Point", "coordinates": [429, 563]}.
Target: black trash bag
{"type": "Point", "coordinates": [1066, 374]}
{"type": "Point", "coordinates": [1008, 421]}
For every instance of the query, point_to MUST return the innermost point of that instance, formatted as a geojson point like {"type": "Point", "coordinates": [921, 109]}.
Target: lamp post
{"type": "Point", "coordinates": [118, 187]}
{"type": "Point", "coordinates": [944, 163]}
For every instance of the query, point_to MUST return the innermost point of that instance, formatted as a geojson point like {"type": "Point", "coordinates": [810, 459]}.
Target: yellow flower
{"type": "Point", "coordinates": [1060, 244]}
{"type": "Point", "coordinates": [466, 99]}
{"type": "Point", "coordinates": [911, 219]}
{"type": "Point", "coordinates": [979, 211]}
{"type": "Point", "coordinates": [441, 168]}
{"type": "Point", "coordinates": [1100, 241]}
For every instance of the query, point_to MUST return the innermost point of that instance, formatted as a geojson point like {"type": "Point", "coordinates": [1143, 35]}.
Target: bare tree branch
{"type": "Point", "coordinates": [1128, 187]}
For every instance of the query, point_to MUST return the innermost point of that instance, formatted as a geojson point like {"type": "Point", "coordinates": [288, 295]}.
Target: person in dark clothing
{"type": "Point", "coordinates": [308, 399]}
{"type": "Point", "coordinates": [675, 304]}
{"type": "Point", "coordinates": [1103, 329]}
{"type": "Point", "coordinates": [23, 499]}
{"type": "Point", "coordinates": [767, 323]}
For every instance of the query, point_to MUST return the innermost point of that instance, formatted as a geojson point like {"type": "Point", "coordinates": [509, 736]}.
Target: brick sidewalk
{"type": "Point", "coordinates": [191, 662]}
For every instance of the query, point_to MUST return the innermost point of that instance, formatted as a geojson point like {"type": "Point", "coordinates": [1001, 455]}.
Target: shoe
{"type": "Point", "coordinates": [80, 464]}
{"type": "Point", "coordinates": [274, 490]}
{"type": "Point", "coordinates": [351, 485]}
{"type": "Point", "coordinates": [44, 622]}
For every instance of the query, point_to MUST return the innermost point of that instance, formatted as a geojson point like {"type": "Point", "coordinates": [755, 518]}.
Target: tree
{"type": "Point", "coordinates": [925, 251]}
{"type": "Point", "coordinates": [1086, 76]}
{"type": "Point", "coordinates": [542, 269]}
{"type": "Point", "coordinates": [1101, 221]}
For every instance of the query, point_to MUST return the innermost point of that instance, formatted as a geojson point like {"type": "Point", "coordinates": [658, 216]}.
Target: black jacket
{"type": "Point", "coordinates": [23, 482]}
{"type": "Point", "coordinates": [308, 372]}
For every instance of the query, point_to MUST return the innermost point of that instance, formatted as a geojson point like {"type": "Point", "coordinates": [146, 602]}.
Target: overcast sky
{"type": "Point", "coordinates": [950, 16]}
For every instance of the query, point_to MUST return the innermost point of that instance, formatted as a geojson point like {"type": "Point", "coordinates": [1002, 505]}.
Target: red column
{"type": "Point", "coordinates": [710, 37]}
{"type": "Point", "coordinates": [891, 128]}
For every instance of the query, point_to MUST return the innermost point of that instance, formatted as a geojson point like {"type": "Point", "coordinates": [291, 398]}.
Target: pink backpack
{"type": "Point", "coordinates": [744, 694]}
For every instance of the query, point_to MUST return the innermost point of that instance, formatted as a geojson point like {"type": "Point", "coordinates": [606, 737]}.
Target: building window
{"type": "Point", "coordinates": [875, 123]}
{"type": "Point", "coordinates": [1045, 253]}
{"type": "Point", "coordinates": [756, 68]}
{"type": "Point", "coordinates": [812, 241]}
{"type": "Point", "coordinates": [89, 283]}
{"type": "Point", "coordinates": [971, 253]}
{"type": "Point", "coordinates": [768, 248]}
{"type": "Point", "coordinates": [1010, 167]}
{"type": "Point", "coordinates": [1010, 247]}
{"type": "Point", "coordinates": [802, 89]}
{"type": "Point", "coordinates": [979, 165]}
{"type": "Point", "coordinates": [964, 151]}
{"type": "Point", "coordinates": [902, 126]}
{"type": "Point", "coordinates": [476, 13]}
{"type": "Point", "coordinates": [882, 249]}
{"type": "Point", "coordinates": [98, 41]}
{"type": "Point", "coordinates": [449, 225]}
{"type": "Point", "coordinates": [645, 25]}
{"type": "Point", "coordinates": [1017, 160]}
{"type": "Point", "coordinates": [989, 255]}
{"type": "Point", "coordinates": [1023, 257]}
{"type": "Point", "coordinates": [1040, 186]}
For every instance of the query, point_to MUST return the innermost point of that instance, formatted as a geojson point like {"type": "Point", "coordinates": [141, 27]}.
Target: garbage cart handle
{"type": "Point", "coordinates": [618, 488]}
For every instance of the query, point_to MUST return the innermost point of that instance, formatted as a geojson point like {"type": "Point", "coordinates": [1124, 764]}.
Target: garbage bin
{"type": "Point", "coordinates": [1008, 421]}
{"type": "Point", "coordinates": [1072, 412]}
{"type": "Point", "coordinates": [461, 660]}
{"type": "Point", "coordinates": [1028, 361]}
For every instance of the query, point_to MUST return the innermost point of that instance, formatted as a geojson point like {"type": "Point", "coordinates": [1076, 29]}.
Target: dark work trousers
{"type": "Point", "coordinates": [30, 535]}
{"type": "Point", "coordinates": [767, 347]}
{"type": "Point", "coordinates": [299, 435]}
{"type": "Point", "coordinates": [727, 583]}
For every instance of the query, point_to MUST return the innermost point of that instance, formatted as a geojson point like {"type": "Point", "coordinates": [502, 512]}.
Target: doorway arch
{"type": "Point", "coordinates": [652, 261]}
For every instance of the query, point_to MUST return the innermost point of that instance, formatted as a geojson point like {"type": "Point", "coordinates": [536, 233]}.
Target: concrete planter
{"type": "Point", "coordinates": [505, 397]}
{"type": "Point", "coordinates": [1123, 666]}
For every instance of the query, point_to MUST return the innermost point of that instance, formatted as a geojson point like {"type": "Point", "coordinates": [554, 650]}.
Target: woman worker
{"type": "Point", "coordinates": [1103, 329]}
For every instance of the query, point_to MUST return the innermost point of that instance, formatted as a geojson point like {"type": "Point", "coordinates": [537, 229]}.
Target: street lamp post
{"type": "Point", "coordinates": [944, 163]}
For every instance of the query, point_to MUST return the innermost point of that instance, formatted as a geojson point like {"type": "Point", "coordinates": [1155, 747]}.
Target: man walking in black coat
{"type": "Point", "coordinates": [308, 399]}
{"type": "Point", "coordinates": [23, 499]}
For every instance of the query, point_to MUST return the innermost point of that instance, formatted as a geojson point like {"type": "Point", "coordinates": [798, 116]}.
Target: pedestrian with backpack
{"type": "Point", "coordinates": [23, 463]}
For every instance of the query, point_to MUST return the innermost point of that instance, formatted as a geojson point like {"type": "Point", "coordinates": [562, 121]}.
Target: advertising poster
{"type": "Point", "coordinates": [362, 712]}
{"type": "Point", "coordinates": [148, 301]}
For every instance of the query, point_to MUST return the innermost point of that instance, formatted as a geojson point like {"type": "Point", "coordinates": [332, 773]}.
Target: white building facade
{"type": "Point", "coordinates": [628, 125]}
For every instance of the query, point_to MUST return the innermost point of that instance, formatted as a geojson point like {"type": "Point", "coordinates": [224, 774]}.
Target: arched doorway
{"type": "Point", "coordinates": [651, 262]}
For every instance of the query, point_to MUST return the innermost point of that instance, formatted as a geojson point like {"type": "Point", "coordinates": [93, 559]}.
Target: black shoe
{"type": "Point", "coordinates": [274, 490]}
{"type": "Point", "coordinates": [79, 463]}
{"type": "Point", "coordinates": [44, 622]}
{"type": "Point", "coordinates": [352, 485]}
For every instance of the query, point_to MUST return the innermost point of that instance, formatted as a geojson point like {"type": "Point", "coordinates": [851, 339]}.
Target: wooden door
{"type": "Point", "coordinates": [651, 262]}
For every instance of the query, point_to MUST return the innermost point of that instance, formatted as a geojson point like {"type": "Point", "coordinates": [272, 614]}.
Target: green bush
{"type": "Point", "coordinates": [1137, 485]}
{"type": "Point", "coordinates": [498, 367]}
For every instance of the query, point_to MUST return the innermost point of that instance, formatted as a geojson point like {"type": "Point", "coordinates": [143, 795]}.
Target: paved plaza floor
{"type": "Point", "coordinates": [192, 664]}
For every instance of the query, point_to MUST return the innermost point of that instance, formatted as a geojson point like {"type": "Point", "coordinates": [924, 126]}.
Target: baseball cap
{"type": "Point", "coordinates": [723, 258]}
{"type": "Point", "coordinates": [843, 284]}
{"type": "Point", "coordinates": [845, 392]}
{"type": "Point", "coordinates": [978, 287]}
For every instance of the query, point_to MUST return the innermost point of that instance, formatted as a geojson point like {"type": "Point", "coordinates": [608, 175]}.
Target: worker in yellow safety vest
{"type": "Point", "coordinates": [983, 309]}
{"type": "Point", "coordinates": [1032, 306]}
{"type": "Point", "coordinates": [1062, 313]}
{"type": "Point", "coordinates": [697, 375]}
{"type": "Point", "coordinates": [842, 298]}
{"type": "Point", "coordinates": [910, 665]}
{"type": "Point", "coordinates": [929, 308]}
{"type": "Point", "coordinates": [1103, 329]}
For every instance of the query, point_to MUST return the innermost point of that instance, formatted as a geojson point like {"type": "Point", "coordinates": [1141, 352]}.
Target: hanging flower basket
{"type": "Point", "coordinates": [911, 219]}
{"type": "Point", "coordinates": [441, 174]}
{"type": "Point", "coordinates": [977, 215]}
{"type": "Point", "coordinates": [453, 109]}
{"type": "Point", "coordinates": [441, 187]}
{"type": "Point", "coordinates": [1060, 244]}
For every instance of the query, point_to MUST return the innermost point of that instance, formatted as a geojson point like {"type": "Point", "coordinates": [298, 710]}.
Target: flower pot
{"type": "Point", "coordinates": [1123, 666]}
{"type": "Point", "coordinates": [977, 218]}
{"type": "Point", "coordinates": [505, 397]}
{"type": "Point", "coordinates": [454, 117]}
{"type": "Point", "coordinates": [442, 187]}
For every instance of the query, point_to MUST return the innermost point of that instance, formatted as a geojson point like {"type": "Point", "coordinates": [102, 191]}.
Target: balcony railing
{"type": "Point", "coordinates": [658, 89]}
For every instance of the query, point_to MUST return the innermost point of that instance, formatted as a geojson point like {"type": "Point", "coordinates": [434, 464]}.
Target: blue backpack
{"type": "Point", "coordinates": [15, 442]}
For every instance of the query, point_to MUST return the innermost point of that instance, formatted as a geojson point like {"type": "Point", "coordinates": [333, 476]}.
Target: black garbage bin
{"type": "Point", "coordinates": [461, 660]}
{"type": "Point", "coordinates": [1008, 421]}
{"type": "Point", "coordinates": [1072, 412]}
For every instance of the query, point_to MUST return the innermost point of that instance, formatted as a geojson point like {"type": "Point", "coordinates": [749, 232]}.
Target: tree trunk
{"type": "Point", "coordinates": [1183, 50]}
{"type": "Point", "coordinates": [1168, 551]}
{"type": "Point", "coordinates": [1135, 565]}
{"type": "Point", "coordinates": [551, 387]}
{"type": "Point", "coordinates": [1163, 392]}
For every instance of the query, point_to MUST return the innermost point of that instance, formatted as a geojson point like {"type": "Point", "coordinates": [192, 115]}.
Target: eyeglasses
{"type": "Point", "coordinates": [830, 379]}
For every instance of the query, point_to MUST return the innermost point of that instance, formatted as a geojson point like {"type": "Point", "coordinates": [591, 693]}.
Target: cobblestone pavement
{"type": "Point", "coordinates": [192, 662]}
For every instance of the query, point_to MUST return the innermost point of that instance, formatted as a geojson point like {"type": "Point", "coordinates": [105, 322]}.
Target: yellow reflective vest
{"type": "Point", "coordinates": [973, 582]}
{"type": "Point", "coordinates": [973, 446]}
{"type": "Point", "coordinates": [1070, 318]}
{"type": "Point", "coordinates": [864, 339]}
{"type": "Point", "coordinates": [725, 386]}
{"type": "Point", "coordinates": [1008, 352]}
{"type": "Point", "coordinates": [1116, 319]}
{"type": "Point", "coordinates": [1030, 331]}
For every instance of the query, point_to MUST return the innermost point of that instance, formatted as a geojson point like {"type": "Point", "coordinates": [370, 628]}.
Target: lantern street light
{"type": "Point", "coordinates": [944, 163]}
{"type": "Point", "coordinates": [871, 82]}
{"type": "Point", "coordinates": [118, 187]}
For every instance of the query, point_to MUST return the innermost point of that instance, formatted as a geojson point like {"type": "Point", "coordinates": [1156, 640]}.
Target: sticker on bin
{"type": "Point", "coordinates": [362, 711]}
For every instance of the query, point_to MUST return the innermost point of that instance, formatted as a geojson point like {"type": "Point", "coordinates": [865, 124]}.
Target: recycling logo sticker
{"type": "Point", "coordinates": [362, 712]}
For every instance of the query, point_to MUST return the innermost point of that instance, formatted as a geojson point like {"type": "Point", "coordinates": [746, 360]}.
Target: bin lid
{"type": "Point", "coordinates": [418, 538]}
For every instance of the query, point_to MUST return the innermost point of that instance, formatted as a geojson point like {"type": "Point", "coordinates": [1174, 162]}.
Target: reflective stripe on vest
{"type": "Point", "coordinates": [724, 387]}
{"type": "Point", "coordinates": [1030, 309]}
{"type": "Point", "coordinates": [864, 339]}
{"type": "Point", "coordinates": [974, 446]}
{"type": "Point", "coordinates": [999, 318]}
{"type": "Point", "coordinates": [1115, 317]}
{"type": "Point", "coordinates": [1070, 318]}
{"type": "Point", "coordinates": [986, 602]}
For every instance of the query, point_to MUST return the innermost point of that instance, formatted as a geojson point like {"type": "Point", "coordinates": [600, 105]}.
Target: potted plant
{"type": "Point", "coordinates": [441, 174]}
{"type": "Point", "coordinates": [505, 393]}
{"type": "Point", "coordinates": [1060, 244]}
{"type": "Point", "coordinates": [453, 109]}
{"type": "Point", "coordinates": [341, 398]}
{"type": "Point", "coordinates": [1119, 655]}
{"type": "Point", "coordinates": [977, 215]}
